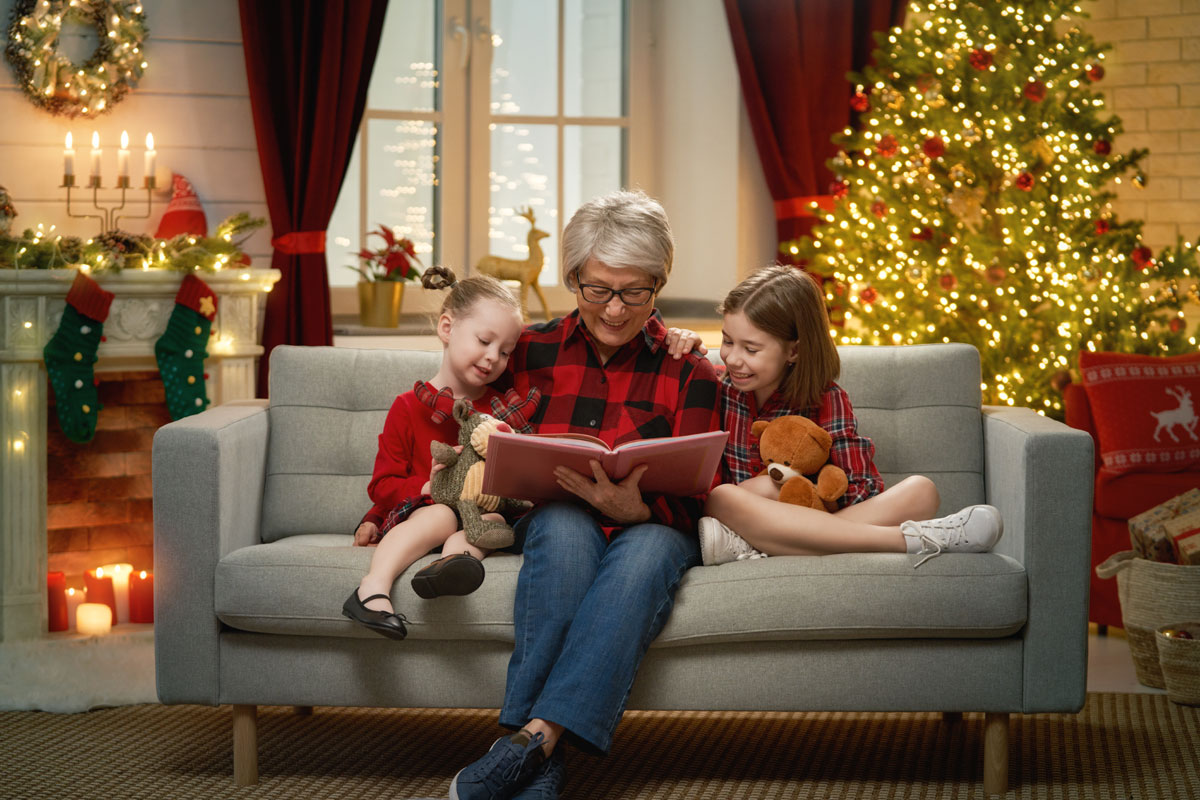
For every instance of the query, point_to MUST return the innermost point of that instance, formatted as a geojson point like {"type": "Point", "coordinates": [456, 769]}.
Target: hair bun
{"type": "Point", "coordinates": [438, 277]}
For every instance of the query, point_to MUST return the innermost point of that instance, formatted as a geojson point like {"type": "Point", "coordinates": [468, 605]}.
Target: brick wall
{"type": "Point", "coordinates": [99, 493]}
{"type": "Point", "coordinates": [1153, 84]}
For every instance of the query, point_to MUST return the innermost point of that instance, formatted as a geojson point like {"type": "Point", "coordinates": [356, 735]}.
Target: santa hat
{"type": "Point", "coordinates": [184, 213]}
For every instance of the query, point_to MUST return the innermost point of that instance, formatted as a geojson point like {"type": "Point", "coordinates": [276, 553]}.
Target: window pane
{"type": "Point", "coordinates": [592, 163]}
{"type": "Point", "coordinates": [593, 74]}
{"type": "Point", "coordinates": [524, 56]}
{"type": "Point", "coordinates": [341, 238]}
{"type": "Point", "coordinates": [523, 174]}
{"type": "Point", "coordinates": [406, 70]}
{"type": "Point", "coordinates": [402, 181]}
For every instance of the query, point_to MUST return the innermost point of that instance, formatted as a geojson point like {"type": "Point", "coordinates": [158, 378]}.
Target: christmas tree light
{"type": "Point", "coordinates": [973, 203]}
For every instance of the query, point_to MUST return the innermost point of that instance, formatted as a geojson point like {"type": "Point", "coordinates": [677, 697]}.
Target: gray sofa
{"type": "Point", "coordinates": [254, 504]}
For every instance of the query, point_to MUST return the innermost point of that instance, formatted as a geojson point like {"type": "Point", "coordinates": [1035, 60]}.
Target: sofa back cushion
{"type": "Point", "coordinates": [327, 410]}
{"type": "Point", "coordinates": [919, 404]}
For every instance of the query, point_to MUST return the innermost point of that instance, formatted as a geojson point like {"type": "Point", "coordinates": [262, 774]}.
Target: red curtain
{"type": "Point", "coordinates": [793, 56]}
{"type": "Point", "coordinates": [308, 64]}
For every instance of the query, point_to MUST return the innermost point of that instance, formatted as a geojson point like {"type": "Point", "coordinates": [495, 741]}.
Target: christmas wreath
{"type": "Point", "coordinates": [53, 81]}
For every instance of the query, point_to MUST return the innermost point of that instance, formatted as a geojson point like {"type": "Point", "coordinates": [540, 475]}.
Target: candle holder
{"type": "Point", "coordinates": [108, 215]}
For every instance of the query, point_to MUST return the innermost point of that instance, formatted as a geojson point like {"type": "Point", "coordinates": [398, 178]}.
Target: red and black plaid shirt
{"type": "Point", "coordinates": [639, 393]}
{"type": "Point", "coordinates": [851, 451]}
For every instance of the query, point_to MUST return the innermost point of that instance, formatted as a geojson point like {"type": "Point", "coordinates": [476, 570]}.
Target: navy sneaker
{"type": "Point", "coordinates": [503, 771]}
{"type": "Point", "coordinates": [548, 780]}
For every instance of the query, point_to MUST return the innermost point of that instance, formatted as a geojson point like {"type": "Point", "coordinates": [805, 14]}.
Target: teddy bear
{"type": "Point", "coordinates": [459, 484]}
{"type": "Point", "coordinates": [793, 447]}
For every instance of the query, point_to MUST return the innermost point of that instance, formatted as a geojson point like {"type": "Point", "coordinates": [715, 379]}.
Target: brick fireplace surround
{"type": "Point", "coordinates": [70, 507]}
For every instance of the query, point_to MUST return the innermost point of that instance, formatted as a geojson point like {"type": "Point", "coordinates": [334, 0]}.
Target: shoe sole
{"type": "Point", "coordinates": [458, 577]}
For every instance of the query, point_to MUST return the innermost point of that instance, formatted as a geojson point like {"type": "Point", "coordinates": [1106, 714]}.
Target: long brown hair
{"type": "Point", "coordinates": [787, 303]}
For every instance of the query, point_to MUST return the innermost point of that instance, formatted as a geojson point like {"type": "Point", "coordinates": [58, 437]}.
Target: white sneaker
{"type": "Point", "coordinates": [975, 529]}
{"type": "Point", "coordinates": [720, 545]}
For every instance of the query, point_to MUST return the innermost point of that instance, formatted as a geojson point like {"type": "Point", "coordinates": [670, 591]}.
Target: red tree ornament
{"type": "Point", "coordinates": [923, 235]}
{"type": "Point", "coordinates": [868, 295]}
{"type": "Point", "coordinates": [934, 147]}
{"type": "Point", "coordinates": [1035, 90]}
{"type": "Point", "coordinates": [839, 189]}
{"type": "Point", "coordinates": [860, 102]}
{"type": "Point", "coordinates": [1102, 147]}
{"type": "Point", "coordinates": [879, 209]}
{"type": "Point", "coordinates": [887, 146]}
{"type": "Point", "coordinates": [1024, 181]}
{"type": "Point", "coordinates": [948, 282]}
{"type": "Point", "coordinates": [1176, 325]}
{"type": "Point", "coordinates": [996, 275]}
{"type": "Point", "coordinates": [1142, 257]}
{"type": "Point", "coordinates": [1095, 72]}
{"type": "Point", "coordinates": [1102, 226]}
{"type": "Point", "coordinates": [981, 59]}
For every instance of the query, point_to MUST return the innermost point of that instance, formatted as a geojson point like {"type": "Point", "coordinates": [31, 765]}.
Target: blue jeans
{"type": "Point", "coordinates": [586, 610]}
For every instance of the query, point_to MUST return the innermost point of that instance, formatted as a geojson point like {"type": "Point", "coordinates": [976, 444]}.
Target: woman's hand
{"type": "Point", "coordinates": [621, 502]}
{"type": "Point", "coordinates": [366, 535]}
{"type": "Point", "coordinates": [681, 340]}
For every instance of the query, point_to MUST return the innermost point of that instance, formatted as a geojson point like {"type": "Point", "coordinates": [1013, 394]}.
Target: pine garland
{"type": "Point", "coordinates": [117, 250]}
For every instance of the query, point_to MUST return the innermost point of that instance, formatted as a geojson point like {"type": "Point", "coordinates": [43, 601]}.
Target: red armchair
{"type": "Point", "coordinates": [1117, 498]}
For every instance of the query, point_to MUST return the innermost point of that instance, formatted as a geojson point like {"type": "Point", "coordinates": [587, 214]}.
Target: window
{"type": "Point", "coordinates": [477, 110]}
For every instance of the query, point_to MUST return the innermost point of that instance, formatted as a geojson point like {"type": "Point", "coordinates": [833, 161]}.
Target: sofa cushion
{"type": "Point", "coordinates": [297, 586]}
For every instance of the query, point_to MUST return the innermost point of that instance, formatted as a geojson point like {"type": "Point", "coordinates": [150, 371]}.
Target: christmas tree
{"type": "Point", "coordinates": [972, 203]}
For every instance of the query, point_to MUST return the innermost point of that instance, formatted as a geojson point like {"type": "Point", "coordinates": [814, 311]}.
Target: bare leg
{"type": "Point", "coordinates": [457, 543]}
{"type": "Point", "coordinates": [780, 529]}
{"type": "Point", "coordinates": [425, 529]}
{"type": "Point", "coordinates": [915, 497]}
{"type": "Point", "coordinates": [551, 730]}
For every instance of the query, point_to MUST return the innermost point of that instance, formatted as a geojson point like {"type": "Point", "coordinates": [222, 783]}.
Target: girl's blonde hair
{"type": "Point", "coordinates": [787, 303]}
{"type": "Point", "coordinates": [465, 293]}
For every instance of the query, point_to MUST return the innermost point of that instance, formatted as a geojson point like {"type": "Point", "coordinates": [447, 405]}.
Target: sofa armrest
{"type": "Point", "coordinates": [1038, 472]}
{"type": "Point", "coordinates": [208, 472]}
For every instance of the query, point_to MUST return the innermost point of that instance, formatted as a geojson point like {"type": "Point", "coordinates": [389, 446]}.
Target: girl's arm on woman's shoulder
{"type": "Point", "coordinates": [851, 451]}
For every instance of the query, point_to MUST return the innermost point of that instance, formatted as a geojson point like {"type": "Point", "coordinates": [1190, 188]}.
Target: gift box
{"type": "Point", "coordinates": [1185, 537]}
{"type": "Point", "coordinates": [1147, 531]}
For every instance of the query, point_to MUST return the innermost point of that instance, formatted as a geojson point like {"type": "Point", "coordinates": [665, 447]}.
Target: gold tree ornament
{"type": "Point", "coordinates": [524, 271]}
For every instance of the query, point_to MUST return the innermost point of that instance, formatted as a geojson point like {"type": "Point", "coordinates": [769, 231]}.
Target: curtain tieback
{"type": "Point", "coordinates": [799, 206]}
{"type": "Point", "coordinates": [300, 242]}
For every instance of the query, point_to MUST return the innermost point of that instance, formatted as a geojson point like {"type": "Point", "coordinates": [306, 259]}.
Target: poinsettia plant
{"type": "Point", "coordinates": [392, 262]}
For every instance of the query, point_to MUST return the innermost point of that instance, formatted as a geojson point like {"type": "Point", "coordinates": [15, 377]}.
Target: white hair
{"type": "Point", "coordinates": [624, 230]}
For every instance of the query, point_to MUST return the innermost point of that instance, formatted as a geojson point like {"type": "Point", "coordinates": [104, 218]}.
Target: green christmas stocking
{"type": "Point", "coordinates": [71, 354]}
{"type": "Point", "coordinates": [181, 349]}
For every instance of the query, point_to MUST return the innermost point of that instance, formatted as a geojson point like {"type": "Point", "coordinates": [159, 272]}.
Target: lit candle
{"type": "Point", "coordinates": [75, 598]}
{"type": "Point", "coordinates": [69, 157]}
{"type": "Point", "coordinates": [56, 595]}
{"type": "Point", "coordinates": [141, 597]}
{"type": "Point", "coordinates": [99, 585]}
{"type": "Point", "coordinates": [96, 151]}
{"type": "Point", "coordinates": [151, 160]}
{"type": "Point", "coordinates": [120, 581]}
{"type": "Point", "coordinates": [123, 159]}
{"type": "Point", "coordinates": [93, 619]}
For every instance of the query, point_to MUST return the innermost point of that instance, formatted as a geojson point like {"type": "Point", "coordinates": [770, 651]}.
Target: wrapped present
{"type": "Point", "coordinates": [1147, 532]}
{"type": "Point", "coordinates": [1185, 537]}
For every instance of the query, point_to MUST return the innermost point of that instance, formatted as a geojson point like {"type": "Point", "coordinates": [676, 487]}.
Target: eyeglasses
{"type": "Point", "coordinates": [633, 296]}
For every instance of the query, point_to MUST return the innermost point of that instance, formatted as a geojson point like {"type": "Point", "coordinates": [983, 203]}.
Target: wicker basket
{"type": "Point", "coordinates": [1180, 661]}
{"type": "Point", "coordinates": [1152, 595]}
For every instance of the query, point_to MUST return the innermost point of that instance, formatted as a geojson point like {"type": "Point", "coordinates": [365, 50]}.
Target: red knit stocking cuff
{"type": "Point", "coordinates": [196, 295]}
{"type": "Point", "coordinates": [86, 297]}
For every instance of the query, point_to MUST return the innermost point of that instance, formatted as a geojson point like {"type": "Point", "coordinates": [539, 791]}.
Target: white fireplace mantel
{"type": "Point", "coordinates": [31, 305]}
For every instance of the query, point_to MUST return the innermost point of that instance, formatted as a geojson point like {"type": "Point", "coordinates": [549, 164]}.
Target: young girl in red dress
{"type": "Point", "coordinates": [781, 360]}
{"type": "Point", "coordinates": [478, 325]}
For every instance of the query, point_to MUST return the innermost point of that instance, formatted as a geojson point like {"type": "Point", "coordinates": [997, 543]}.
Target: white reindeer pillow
{"type": "Point", "coordinates": [1146, 410]}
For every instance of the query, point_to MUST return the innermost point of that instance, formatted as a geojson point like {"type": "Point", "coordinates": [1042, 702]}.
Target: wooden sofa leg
{"type": "Point", "coordinates": [302, 711]}
{"type": "Point", "coordinates": [995, 753]}
{"type": "Point", "coordinates": [951, 717]}
{"type": "Point", "coordinates": [245, 745]}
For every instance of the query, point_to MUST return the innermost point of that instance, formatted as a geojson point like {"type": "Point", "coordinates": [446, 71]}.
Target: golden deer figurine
{"type": "Point", "coordinates": [525, 272]}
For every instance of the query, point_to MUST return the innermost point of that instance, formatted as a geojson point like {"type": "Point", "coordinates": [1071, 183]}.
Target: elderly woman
{"type": "Point", "coordinates": [599, 577]}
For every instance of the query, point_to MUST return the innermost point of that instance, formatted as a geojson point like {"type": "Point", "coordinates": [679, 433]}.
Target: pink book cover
{"type": "Point", "coordinates": [521, 466]}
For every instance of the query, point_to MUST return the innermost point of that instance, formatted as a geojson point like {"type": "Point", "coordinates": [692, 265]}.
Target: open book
{"type": "Point", "coordinates": [522, 466]}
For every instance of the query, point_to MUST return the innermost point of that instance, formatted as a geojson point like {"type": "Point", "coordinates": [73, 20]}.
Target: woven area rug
{"type": "Point", "coordinates": [1120, 746]}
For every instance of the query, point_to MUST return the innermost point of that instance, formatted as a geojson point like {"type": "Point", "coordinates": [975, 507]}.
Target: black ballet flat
{"type": "Point", "coordinates": [386, 623]}
{"type": "Point", "coordinates": [455, 574]}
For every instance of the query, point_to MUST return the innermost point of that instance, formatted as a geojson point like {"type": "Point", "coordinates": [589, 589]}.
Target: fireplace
{"type": "Point", "coordinates": [102, 508]}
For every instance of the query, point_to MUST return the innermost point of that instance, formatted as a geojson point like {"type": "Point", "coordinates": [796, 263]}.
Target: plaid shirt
{"type": "Point", "coordinates": [850, 451]}
{"type": "Point", "coordinates": [639, 393]}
